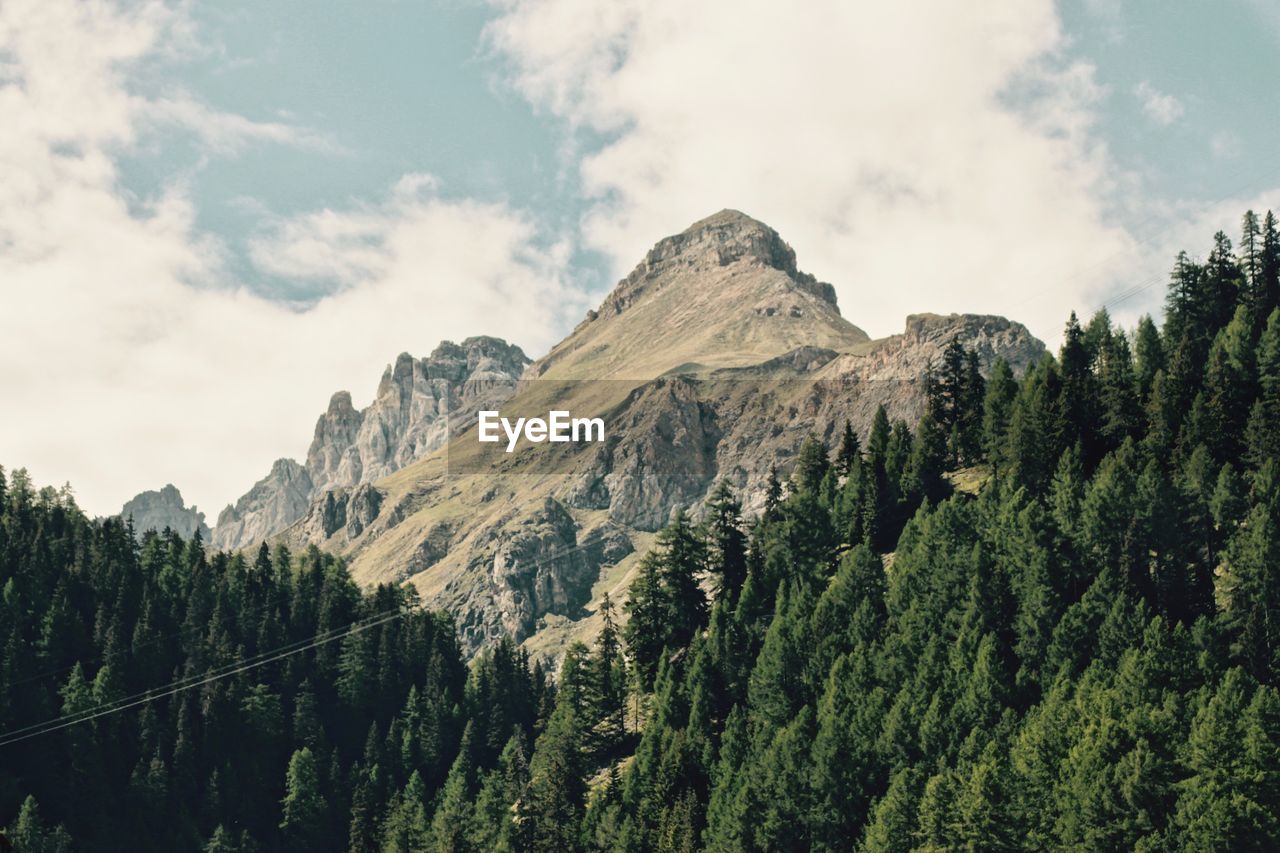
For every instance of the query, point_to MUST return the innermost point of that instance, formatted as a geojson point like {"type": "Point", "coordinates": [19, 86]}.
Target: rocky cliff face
{"type": "Point", "coordinates": [727, 356]}
{"type": "Point", "coordinates": [157, 510]}
{"type": "Point", "coordinates": [273, 503]}
{"type": "Point", "coordinates": [661, 453]}
{"type": "Point", "coordinates": [409, 417]}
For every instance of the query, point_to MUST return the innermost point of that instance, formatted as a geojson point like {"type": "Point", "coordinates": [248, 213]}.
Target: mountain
{"type": "Point", "coordinates": [408, 418]}
{"type": "Point", "coordinates": [724, 292]}
{"type": "Point", "coordinates": [157, 510]}
{"type": "Point", "coordinates": [712, 360]}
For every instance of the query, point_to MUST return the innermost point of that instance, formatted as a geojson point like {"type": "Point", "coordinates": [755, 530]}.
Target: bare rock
{"type": "Point", "coordinates": [539, 568]}
{"type": "Point", "coordinates": [274, 502]}
{"type": "Point", "coordinates": [660, 456]}
{"type": "Point", "coordinates": [164, 509]}
{"type": "Point", "coordinates": [410, 416]}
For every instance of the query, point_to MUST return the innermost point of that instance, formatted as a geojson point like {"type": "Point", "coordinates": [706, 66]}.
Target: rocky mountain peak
{"type": "Point", "coordinates": [408, 418]}
{"type": "Point", "coordinates": [724, 292]}
{"type": "Point", "coordinates": [272, 504]}
{"type": "Point", "coordinates": [158, 509]}
{"type": "Point", "coordinates": [719, 240]}
{"type": "Point", "coordinates": [340, 404]}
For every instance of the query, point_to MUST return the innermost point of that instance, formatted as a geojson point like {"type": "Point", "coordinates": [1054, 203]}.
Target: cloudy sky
{"type": "Point", "coordinates": [214, 214]}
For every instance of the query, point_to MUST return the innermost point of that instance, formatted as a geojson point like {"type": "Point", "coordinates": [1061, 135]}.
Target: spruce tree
{"type": "Point", "coordinates": [684, 558]}
{"type": "Point", "coordinates": [552, 807]}
{"type": "Point", "coordinates": [607, 690]}
{"type": "Point", "coordinates": [726, 542]}
{"type": "Point", "coordinates": [646, 629]}
{"type": "Point", "coordinates": [850, 453]}
{"type": "Point", "coordinates": [1148, 350]}
{"type": "Point", "coordinates": [1262, 434]}
{"type": "Point", "coordinates": [997, 408]}
{"type": "Point", "coordinates": [304, 812]}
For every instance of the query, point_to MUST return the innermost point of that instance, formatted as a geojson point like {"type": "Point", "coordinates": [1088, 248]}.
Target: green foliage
{"type": "Point", "coordinates": [341, 745]}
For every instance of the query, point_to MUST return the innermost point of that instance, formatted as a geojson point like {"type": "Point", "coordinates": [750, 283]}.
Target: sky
{"type": "Point", "coordinates": [213, 215]}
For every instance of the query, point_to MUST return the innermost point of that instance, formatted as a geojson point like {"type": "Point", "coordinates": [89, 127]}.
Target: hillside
{"type": "Point", "coordinates": [711, 361]}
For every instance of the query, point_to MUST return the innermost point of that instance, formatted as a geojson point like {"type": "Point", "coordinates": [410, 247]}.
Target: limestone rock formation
{"type": "Point", "coordinates": [273, 503]}
{"type": "Point", "coordinates": [720, 357]}
{"type": "Point", "coordinates": [411, 412]}
{"type": "Point", "coordinates": [538, 568]}
{"type": "Point", "coordinates": [661, 454]}
{"type": "Point", "coordinates": [158, 510]}
{"type": "Point", "coordinates": [410, 416]}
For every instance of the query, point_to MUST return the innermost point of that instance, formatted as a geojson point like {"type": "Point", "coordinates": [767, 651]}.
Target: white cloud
{"type": "Point", "coordinates": [1163, 109]}
{"type": "Point", "coordinates": [877, 138]}
{"type": "Point", "coordinates": [127, 358]}
{"type": "Point", "coordinates": [228, 133]}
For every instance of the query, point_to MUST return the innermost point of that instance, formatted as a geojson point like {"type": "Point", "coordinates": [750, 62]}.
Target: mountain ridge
{"type": "Point", "coordinates": [721, 357]}
{"type": "Point", "coordinates": [408, 418]}
{"type": "Point", "coordinates": [716, 392]}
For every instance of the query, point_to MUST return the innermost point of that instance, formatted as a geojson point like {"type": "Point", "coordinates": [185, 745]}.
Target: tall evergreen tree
{"type": "Point", "coordinates": [726, 541]}
{"type": "Point", "coordinates": [607, 689]}
{"type": "Point", "coordinates": [304, 812]}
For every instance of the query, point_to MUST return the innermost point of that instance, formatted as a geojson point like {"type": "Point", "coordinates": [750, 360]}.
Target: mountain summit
{"type": "Point", "coordinates": [724, 292]}
{"type": "Point", "coordinates": [728, 356]}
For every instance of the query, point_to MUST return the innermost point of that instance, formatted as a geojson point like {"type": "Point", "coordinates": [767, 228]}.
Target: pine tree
{"type": "Point", "coordinates": [984, 818]}
{"type": "Point", "coordinates": [850, 453]}
{"type": "Point", "coordinates": [922, 480]}
{"type": "Point", "coordinates": [408, 827]}
{"type": "Point", "coordinates": [1268, 289]}
{"type": "Point", "coordinates": [777, 689]}
{"type": "Point", "coordinates": [1118, 392]}
{"type": "Point", "coordinates": [1224, 807]}
{"type": "Point", "coordinates": [30, 833]}
{"type": "Point", "coordinates": [811, 465]}
{"type": "Point", "coordinates": [607, 689]}
{"type": "Point", "coordinates": [1251, 252]}
{"type": "Point", "coordinates": [997, 409]}
{"type": "Point", "coordinates": [773, 493]}
{"type": "Point", "coordinates": [552, 807]}
{"type": "Point", "coordinates": [1249, 590]}
{"type": "Point", "coordinates": [1228, 387]}
{"type": "Point", "coordinates": [451, 826]}
{"type": "Point", "coordinates": [684, 558]}
{"type": "Point", "coordinates": [304, 813]}
{"type": "Point", "coordinates": [1262, 434]}
{"type": "Point", "coordinates": [726, 543]}
{"type": "Point", "coordinates": [1038, 431]}
{"type": "Point", "coordinates": [646, 629]}
{"type": "Point", "coordinates": [1079, 399]}
{"type": "Point", "coordinates": [1148, 350]}
{"type": "Point", "coordinates": [1187, 331]}
{"type": "Point", "coordinates": [1223, 282]}
{"type": "Point", "coordinates": [893, 822]}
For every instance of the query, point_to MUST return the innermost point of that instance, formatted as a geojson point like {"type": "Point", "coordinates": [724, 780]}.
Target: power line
{"type": "Point", "coordinates": [225, 671]}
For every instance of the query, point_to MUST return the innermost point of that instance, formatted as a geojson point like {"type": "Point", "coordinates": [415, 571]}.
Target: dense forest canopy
{"type": "Point", "coordinates": [1045, 616]}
